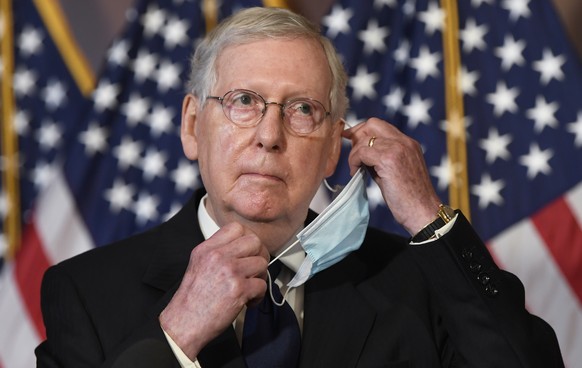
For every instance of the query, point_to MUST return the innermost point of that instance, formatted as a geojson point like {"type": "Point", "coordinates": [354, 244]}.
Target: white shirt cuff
{"type": "Point", "coordinates": [439, 232]}
{"type": "Point", "coordinates": [183, 359]}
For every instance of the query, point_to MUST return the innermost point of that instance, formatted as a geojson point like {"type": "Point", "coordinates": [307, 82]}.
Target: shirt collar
{"type": "Point", "coordinates": [292, 259]}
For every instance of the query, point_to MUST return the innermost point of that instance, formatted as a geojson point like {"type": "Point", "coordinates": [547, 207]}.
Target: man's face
{"type": "Point", "coordinates": [263, 174]}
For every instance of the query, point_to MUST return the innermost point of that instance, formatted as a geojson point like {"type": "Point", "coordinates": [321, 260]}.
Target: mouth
{"type": "Point", "coordinates": [262, 176]}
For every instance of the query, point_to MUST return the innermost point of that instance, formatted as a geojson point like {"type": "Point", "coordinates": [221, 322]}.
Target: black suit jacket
{"type": "Point", "coordinates": [389, 304]}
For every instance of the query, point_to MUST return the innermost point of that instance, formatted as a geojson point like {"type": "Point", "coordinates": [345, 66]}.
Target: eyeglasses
{"type": "Point", "coordinates": [246, 108]}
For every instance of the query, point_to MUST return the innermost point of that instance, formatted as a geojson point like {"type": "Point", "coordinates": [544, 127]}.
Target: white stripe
{"type": "Point", "coordinates": [521, 251]}
{"type": "Point", "coordinates": [574, 200]}
{"type": "Point", "coordinates": [59, 226]}
{"type": "Point", "coordinates": [18, 337]}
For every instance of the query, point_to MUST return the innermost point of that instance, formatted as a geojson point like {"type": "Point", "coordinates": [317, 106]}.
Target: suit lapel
{"type": "Point", "coordinates": [337, 318]}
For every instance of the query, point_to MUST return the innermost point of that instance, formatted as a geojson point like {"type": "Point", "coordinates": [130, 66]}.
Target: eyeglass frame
{"type": "Point", "coordinates": [266, 103]}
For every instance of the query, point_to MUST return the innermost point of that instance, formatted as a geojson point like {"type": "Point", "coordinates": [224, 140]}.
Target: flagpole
{"type": "Point", "coordinates": [456, 135]}
{"type": "Point", "coordinates": [10, 177]}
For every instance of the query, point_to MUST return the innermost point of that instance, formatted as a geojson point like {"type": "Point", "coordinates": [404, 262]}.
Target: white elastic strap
{"type": "Point", "coordinates": [279, 304]}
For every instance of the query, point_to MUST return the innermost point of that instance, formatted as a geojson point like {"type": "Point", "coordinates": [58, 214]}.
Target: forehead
{"type": "Point", "coordinates": [279, 66]}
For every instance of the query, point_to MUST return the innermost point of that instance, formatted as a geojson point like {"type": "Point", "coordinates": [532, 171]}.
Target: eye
{"type": "Point", "coordinates": [242, 99]}
{"type": "Point", "coordinates": [303, 108]}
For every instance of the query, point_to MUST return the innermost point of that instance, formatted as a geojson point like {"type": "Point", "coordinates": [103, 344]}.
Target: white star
{"type": "Point", "coordinates": [21, 122]}
{"type": "Point", "coordinates": [473, 36]}
{"type": "Point", "coordinates": [145, 208]}
{"type": "Point", "coordinates": [119, 196]}
{"type": "Point", "coordinates": [433, 18]}
{"type": "Point", "coordinates": [417, 111]}
{"type": "Point", "coordinates": [393, 100]}
{"type": "Point", "coordinates": [337, 21]}
{"type": "Point", "coordinates": [135, 109]}
{"type": "Point", "coordinates": [402, 53]}
{"type": "Point", "coordinates": [175, 33]}
{"type": "Point", "coordinates": [144, 65]}
{"type": "Point", "coordinates": [94, 139]}
{"type": "Point", "coordinates": [105, 95]}
{"type": "Point", "coordinates": [517, 8]}
{"type": "Point", "coordinates": [30, 41]}
{"type": "Point", "coordinates": [23, 82]}
{"type": "Point", "coordinates": [373, 37]}
{"type": "Point", "coordinates": [42, 174]}
{"type": "Point", "coordinates": [49, 135]}
{"type": "Point", "coordinates": [575, 128]}
{"type": "Point", "coordinates": [426, 63]}
{"type": "Point", "coordinates": [375, 197]}
{"type": "Point", "coordinates": [185, 176]}
{"type": "Point", "coordinates": [153, 164]}
{"type": "Point", "coordinates": [467, 81]}
{"type": "Point", "coordinates": [127, 152]}
{"type": "Point", "coordinates": [503, 99]}
{"type": "Point", "coordinates": [495, 146]}
{"type": "Point", "coordinates": [153, 20]}
{"type": "Point", "coordinates": [443, 173]}
{"type": "Point", "coordinates": [536, 161]}
{"type": "Point", "coordinates": [543, 114]}
{"type": "Point", "coordinates": [54, 94]}
{"type": "Point", "coordinates": [117, 54]}
{"type": "Point", "coordinates": [550, 67]}
{"type": "Point", "coordinates": [511, 53]}
{"type": "Point", "coordinates": [160, 120]}
{"type": "Point", "coordinates": [379, 4]}
{"type": "Point", "coordinates": [363, 84]}
{"type": "Point", "coordinates": [488, 191]}
{"type": "Point", "coordinates": [168, 75]}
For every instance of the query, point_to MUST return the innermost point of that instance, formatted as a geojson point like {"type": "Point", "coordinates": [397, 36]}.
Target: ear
{"type": "Point", "coordinates": [335, 149]}
{"type": "Point", "coordinates": [188, 127]}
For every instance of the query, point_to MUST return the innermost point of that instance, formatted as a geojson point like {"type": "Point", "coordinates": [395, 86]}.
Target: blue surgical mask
{"type": "Point", "coordinates": [336, 232]}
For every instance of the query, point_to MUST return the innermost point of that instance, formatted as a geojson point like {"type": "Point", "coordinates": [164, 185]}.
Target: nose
{"type": "Point", "coordinates": [270, 131]}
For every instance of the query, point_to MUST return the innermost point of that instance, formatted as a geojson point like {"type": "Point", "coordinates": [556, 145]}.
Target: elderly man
{"type": "Point", "coordinates": [264, 121]}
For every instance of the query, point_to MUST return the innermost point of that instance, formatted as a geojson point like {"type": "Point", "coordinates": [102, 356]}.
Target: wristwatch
{"type": "Point", "coordinates": [444, 215]}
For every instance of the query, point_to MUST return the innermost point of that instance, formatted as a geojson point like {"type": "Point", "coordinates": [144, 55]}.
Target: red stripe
{"type": "Point", "coordinates": [558, 227]}
{"type": "Point", "coordinates": [30, 264]}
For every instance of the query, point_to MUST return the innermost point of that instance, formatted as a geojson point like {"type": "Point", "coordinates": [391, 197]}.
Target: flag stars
{"type": "Point", "coordinates": [537, 161]}
{"type": "Point", "coordinates": [160, 120]}
{"type": "Point", "coordinates": [363, 84]}
{"type": "Point", "coordinates": [468, 80]}
{"type": "Point", "coordinates": [576, 129]}
{"type": "Point", "coordinates": [21, 122]}
{"type": "Point", "coordinates": [145, 208]}
{"type": "Point", "coordinates": [153, 20]}
{"type": "Point", "coordinates": [373, 37]}
{"type": "Point", "coordinates": [417, 111]}
{"type": "Point", "coordinates": [30, 41]}
{"type": "Point", "coordinates": [42, 174]}
{"type": "Point", "coordinates": [543, 114]}
{"type": "Point", "coordinates": [393, 100]}
{"type": "Point", "coordinates": [144, 65]}
{"type": "Point", "coordinates": [94, 139]}
{"type": "Point", "coordinates": [495, 146]}
{"type": "Point", "coordinates": [119, 196]}
{"type": "Point", "coordinates": [338, 21]}
{"type": "Point", "coordinates": [488, 191]}
{"type": "Point", "coordinates": [153, 164]}
{"type": "Point", "coordinates": [446, 172]}
{"type": "Point", "coordinates": [402, 53]}
{"type": "Point", "coordinates": [175, 33]}
{"type": "Point", "coordinates": [550, 67]}
{"type": "Point", "coordinates": [375, 197]}
{"type": "Point", "coordinates": [54, 95]}
{"type": "Point", "coordinates": [49, 135]}
{"type": "Point", "coordinates": [473, 36]}
{"type": "Point", "coordinates": [433, 18]}
{"type": "Point", "coordinates": [185, 176]}
{"type": "Point", "coordinates": [105, 95]}
{"type": "Point", "coordinates": [117, 54]}
{"type": "Point", "coordinates": [517, 9]}
{"type": "Point", "coordinates": [503, 99]}
{"type": "Point", "coordinates": [135, 109]}
{"type": "Point", "coordinates": [127, 152]}
{"type": "Point", "coordinates": [23, 81]}
{"type": "Point", "coordinates": [426, 64]}
{"type": "Point", "coordinates": [511, 53]}
{"type": "Point", "coordinates": [167, 75]}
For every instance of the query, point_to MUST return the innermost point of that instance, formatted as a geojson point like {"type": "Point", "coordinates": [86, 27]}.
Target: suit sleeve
{"type": "Point", "coordinates": [73, 339]}
{"type": "Point", "coordinates": [483, 307]}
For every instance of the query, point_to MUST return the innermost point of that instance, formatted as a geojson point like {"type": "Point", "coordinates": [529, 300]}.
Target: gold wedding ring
{"type": "Point", "coordinates": [371, 141]}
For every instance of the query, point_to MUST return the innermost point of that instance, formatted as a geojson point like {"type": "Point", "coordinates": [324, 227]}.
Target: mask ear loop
{"type": "Point", "coordinates": [271, 281]}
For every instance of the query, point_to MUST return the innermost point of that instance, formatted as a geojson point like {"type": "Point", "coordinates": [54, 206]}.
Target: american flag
{"type": "Point", "coordinates": [522, 88]}
{"type": "Point", "coordinates": [98, 162]}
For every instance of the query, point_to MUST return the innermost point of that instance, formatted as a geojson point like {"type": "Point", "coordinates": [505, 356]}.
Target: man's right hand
{"type": "Point", "coordinates": [224, 273]}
